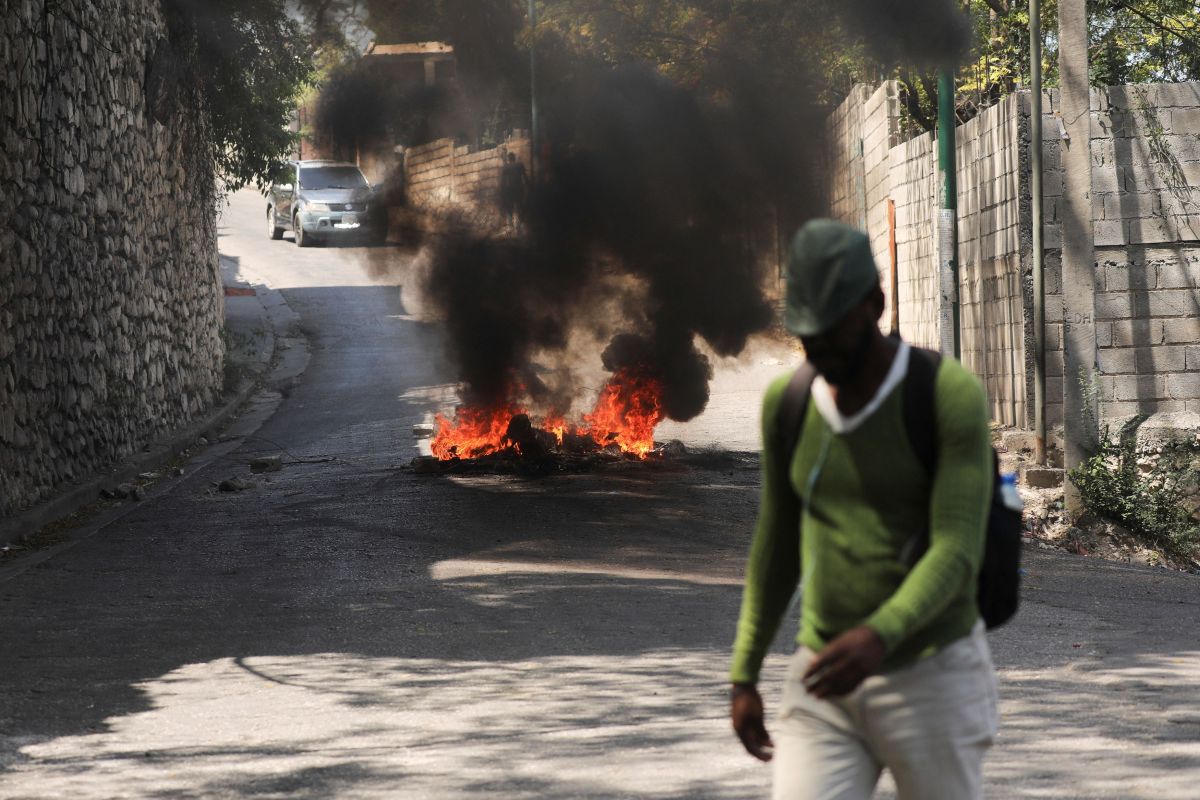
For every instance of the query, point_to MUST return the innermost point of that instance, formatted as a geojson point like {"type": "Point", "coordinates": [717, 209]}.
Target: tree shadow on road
{"type": "Point", "coordinates": [448, 636]}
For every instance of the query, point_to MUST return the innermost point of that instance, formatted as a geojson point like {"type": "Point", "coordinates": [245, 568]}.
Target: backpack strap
{"type": "Point", "coordinates": [792, 408]}
{"type": "Point", "coordinates": [920, 412]}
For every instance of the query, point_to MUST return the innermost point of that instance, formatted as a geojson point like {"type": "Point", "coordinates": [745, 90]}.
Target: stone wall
{"type": "Point", "coordinates": [110, 300]}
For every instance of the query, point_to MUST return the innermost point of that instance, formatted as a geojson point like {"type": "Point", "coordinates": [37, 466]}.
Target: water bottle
{"type": "Point", "coordinates": [1009, 494]}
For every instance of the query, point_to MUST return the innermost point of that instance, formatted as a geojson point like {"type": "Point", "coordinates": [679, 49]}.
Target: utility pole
{"type": "Point", "coordinates": [1039, 251]}
{"type": "Point", "coordinates": [1080, 409]}
{"type": "Point", "coordinates": [533, 100]}
{"type": "Point", "coordinates": [948, 312]}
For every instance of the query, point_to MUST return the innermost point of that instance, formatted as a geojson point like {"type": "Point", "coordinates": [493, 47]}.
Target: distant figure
{"type": "Point", "coordinates": [513, 183]}
{"type": "Point", "coordinates": [892, 670]}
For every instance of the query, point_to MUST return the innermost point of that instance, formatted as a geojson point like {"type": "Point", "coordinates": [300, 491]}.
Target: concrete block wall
{"type": "Point", "coordinates": [1146, 212]}
{"type": "Point", "coordinates": [110, 294]}
{"type": "Point", "coordinates": [442, 177]}
{"type": "Point", "coordinates": [863, 130]}
{"type": "Point", "coordinates": [847, 181]}
{"type": "Point", "coordinates": [989, 252]}
{"type": "Point", "coordinates": [914, 188]}
{"type": "Point", "coordinates": [989, 246]}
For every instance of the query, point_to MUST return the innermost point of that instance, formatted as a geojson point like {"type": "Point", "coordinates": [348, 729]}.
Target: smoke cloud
{"type": "Point", "coordinates": [658, 202]}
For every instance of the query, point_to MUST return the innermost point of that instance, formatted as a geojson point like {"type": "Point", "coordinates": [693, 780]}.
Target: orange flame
{"type": "Point", "coordinates": [474, 432]}
{"type": "Point", "coordinates": [625, 415]}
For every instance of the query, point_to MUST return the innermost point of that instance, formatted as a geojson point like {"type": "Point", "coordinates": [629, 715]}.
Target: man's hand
{"type": "Point", "coordinates": [844, 663]}
{"type": "Point", "coordinates": [746, 711]}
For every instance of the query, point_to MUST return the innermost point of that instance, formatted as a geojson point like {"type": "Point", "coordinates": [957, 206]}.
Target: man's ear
{"type": "Point", "coordinates": [877, 301]}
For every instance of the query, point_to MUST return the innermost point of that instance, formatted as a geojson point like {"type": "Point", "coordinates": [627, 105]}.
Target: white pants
{"type": "Point", "coordinates": [929, 725]}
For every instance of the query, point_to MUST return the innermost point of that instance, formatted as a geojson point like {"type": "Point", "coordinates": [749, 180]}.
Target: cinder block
{"type": "Point", "coordinates": [1184, 95]}
{"type": "Point", "coordinates": [1106, 386]}
{"type": "Point", "coordinates": [1181, 331]}
{"type": "Point", "coordinates": [1103, 152]}
{"type": "Point", "coordinates": [1151, 230]}
{"type": "Point", "coordinates": [1109, 232]}
{"type": "Point", "coordinates": [1132, 151]}
{"type": "Point", "coordinates": [1182, 148]}
{"type": "Point", "coordinates": [1178, 201]}
{"type": "Point", "coordinates": [1054, 364]}
{"type": "Point", "coordinates": [1160, 359]}
{"type": "Point", "coordinates": [1137, 332]}
{"type": "Point", "coordinates": [1054, 332]}
{"type": "Point", "coordinates": [1107, 178]}
{"type": "Point", "coordinates": [1054, 308]}
{"type": "Point", "coordinates": [1119, 409]}
{"type": "Point", "coordinates": [1052, 236]}
{"type": "Point", "coordinates": [1112, 306]}
{"type": "Point", "coordinates": [1182, 120]}
{"type": "Point", "coordinates": [1054, 412]}
{"type": "Point", "coordinates": [1186, 227]}
{"type": "Point", "coordinates": [1118, 361]}
{"type": "Point", "coordinates": [1052, 182]}
{"type": "Point", "coordinates": [1184, 386]}
{"type": "Point", "coordinates": [1053, 276]}
{"type": "Point", "coordinates": [1116, 277]}
{"type": "Point", "coordinates": [1193, 357]}
{"type": "Point", "coordinates": [1127, 205]}
{"type": "Point", "coordinates": [1180, 274]}
{"type": "Point", "coordinates": [1104, 337]}
{"type": "Point", "coordinates": [1173, 303]}
{"type": "Point", "coordinates": [1140, 387]}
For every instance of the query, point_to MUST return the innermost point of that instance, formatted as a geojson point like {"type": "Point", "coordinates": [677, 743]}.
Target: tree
{"type": "Point", "coordinates": [241, 63]}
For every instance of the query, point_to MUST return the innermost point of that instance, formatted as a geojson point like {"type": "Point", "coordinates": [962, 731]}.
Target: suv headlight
{"type": "Point", "coordinates": [317, 207]}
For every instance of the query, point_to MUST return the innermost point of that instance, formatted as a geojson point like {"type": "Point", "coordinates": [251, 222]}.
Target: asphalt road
{"type": "Point", "coordinates": [347, 628]}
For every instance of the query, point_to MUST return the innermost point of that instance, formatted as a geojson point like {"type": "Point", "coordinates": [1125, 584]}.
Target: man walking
{"type": "Point", "coordinates": [513, 183]}
{"type": "Point", "coordinates": [893, 669]}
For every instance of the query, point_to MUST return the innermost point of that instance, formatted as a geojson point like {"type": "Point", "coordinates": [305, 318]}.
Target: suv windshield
{"type": "Point", "coordinates": [331, 178]}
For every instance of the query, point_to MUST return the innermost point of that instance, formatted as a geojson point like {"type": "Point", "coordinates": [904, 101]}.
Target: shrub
{"type": "Point", "coordinates": [1150, 502]}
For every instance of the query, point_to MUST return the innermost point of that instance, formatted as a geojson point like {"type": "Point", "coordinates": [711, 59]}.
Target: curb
{"type": "Point", "coordinates": [160, 452]}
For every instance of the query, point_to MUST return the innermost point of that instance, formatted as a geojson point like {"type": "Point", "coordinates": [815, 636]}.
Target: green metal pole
{"type": "Point", "coordinates": [1039, 255]}
{"type": "Point", "coordinates": [948, 218]}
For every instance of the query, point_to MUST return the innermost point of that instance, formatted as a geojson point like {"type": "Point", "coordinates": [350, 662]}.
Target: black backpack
{"type": "Point", "coordinates": [999, 576]}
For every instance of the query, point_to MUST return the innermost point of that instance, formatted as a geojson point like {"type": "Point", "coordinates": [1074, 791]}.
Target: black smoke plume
{"type": "Point", "coordinates": [670, 202]}
{"type": "Point", "coordinates": [642, 180]}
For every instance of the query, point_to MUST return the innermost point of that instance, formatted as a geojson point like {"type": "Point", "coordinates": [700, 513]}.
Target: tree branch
{"type": "Point", "coordinates": [912, 101]}
{"type": "Point", "coordinates": [1156, 23]}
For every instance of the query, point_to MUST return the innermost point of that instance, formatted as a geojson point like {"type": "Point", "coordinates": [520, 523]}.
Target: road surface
{"type": "Point", "coordinates": [347, 628]}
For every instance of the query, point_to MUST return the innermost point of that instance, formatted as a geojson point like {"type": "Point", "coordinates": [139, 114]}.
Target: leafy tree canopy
{"type": "Point", "coordinates": [243, 63]}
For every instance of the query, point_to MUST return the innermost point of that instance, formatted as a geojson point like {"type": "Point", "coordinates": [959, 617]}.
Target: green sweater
{"type": "Point", "coordinates": [869, 496]}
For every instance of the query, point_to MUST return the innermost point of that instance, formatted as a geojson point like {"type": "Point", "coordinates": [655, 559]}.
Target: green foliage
{"type": "Point", "coordinates": [1151, 504]}
{"type": "Point", "coordinates": [242, 63]}
{"type": "Point", "coordinates": [1131, 42]}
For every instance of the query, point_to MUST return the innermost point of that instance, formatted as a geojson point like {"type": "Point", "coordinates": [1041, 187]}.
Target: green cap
{"type": "Point", "coordinates": [830, 270]}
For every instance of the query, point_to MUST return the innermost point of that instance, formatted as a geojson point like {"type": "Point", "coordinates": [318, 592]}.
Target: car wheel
{"type": "Point", "coordinates": [301, 239]}
{"type": "Point", "coordinates": [273, 230]}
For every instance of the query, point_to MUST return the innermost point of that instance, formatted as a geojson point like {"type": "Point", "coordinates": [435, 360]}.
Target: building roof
{"type": "Point", "coordinates": [421, 49]}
